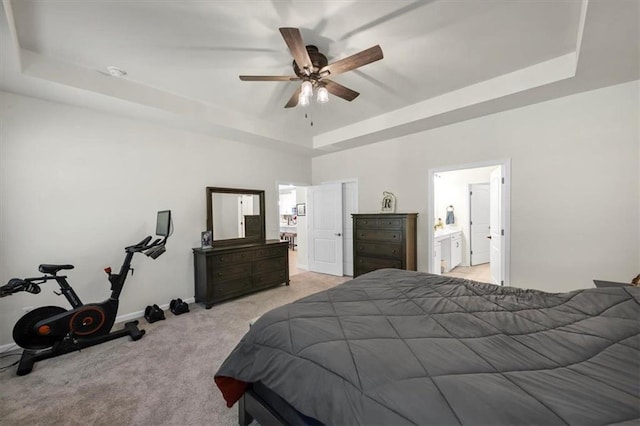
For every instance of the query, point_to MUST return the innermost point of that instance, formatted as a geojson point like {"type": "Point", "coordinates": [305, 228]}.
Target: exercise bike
{"type": "Point", "coordinates": [50, 331]}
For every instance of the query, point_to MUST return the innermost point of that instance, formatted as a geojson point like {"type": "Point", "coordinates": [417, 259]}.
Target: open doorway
{"type": "Point", "coordinates": [305, 218]}
{"type": "Point", "coordinates": [468, 213]}
{"type": "Point", "coordinates": [290, 199]}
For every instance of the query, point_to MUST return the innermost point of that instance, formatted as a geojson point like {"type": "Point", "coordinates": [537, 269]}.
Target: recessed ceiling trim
{"type": "Point", "coordinates": [36, 65]}
{"type": "Point", "coordinates": [12, 30]}
{"type": "Point", "coordinates": [581, 24]}
{"type": "Point", "coordinates": [537, 75]}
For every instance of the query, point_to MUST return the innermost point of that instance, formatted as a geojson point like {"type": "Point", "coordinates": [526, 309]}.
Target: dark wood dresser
{"type": "Point", "coordinates": [223, 273]}
{"type": "Point", "coordinates": [384, 240]}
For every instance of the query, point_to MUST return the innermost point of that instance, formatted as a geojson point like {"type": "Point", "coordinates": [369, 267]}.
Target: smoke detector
{"type": "Point", "coordinates": [116, 72]}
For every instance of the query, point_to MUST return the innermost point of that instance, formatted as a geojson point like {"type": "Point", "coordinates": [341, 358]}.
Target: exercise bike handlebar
{"type": "Point", "coordinates": [144, 244]}
{"type": "Point", "coordinates": [16, 285]}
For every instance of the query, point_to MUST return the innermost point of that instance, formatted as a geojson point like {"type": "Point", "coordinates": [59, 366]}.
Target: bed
{"type": "Point", "coordinates": [399, 347]}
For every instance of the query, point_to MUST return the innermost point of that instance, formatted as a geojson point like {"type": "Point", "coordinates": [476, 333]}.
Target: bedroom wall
{"type": "Point", "coordinates": [574, 182]}
{"type": "Point", "coordinates": [77, 186]}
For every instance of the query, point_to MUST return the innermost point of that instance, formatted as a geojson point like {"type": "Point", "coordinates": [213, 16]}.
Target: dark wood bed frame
{"type": "Point", "coordinates": [251, 406]}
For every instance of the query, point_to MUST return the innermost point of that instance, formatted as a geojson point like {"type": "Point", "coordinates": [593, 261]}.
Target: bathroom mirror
{"type": "Point", "coordinates": [235, 215]}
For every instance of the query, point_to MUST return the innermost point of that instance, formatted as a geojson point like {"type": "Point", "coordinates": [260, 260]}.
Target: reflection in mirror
{"type": "Point", "coordinates": [235, 215]}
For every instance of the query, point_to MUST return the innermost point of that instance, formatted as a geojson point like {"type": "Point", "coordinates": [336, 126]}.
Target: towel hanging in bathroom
{"type": "Point", "coordinates": [450, 220]}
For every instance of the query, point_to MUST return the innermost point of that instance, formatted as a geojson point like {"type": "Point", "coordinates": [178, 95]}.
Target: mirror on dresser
{"type": "Point", "coordinates": [241, 261]}
{"type": "Point", "coordinates": [235, 215]}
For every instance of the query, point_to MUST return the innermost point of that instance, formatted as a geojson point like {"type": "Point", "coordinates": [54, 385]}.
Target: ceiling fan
{"type": "Point", "coordinates": [313, 68]}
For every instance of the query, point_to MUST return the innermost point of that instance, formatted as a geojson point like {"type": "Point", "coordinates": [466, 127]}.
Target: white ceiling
{"type": "Point", "coordinates": [444, 61]}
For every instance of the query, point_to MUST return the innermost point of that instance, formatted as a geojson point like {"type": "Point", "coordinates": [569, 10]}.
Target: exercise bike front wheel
{"type": "Point", "coordinates": [26, 336]}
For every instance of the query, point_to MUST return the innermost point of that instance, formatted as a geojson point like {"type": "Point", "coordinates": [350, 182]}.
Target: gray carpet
{"type": "Point", "coordinates": [166, 378]}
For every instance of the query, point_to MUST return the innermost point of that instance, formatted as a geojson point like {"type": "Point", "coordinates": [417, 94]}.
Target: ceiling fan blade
{"type": "Point", "coordinates": [349, 63]}
{"type": "Point", "coordinates": [268, 78]}
{"type": "Point", "coordinates": [340, 91]}
{"type": "Point", "coordinates": [293, 38]}
{"type": "Point", "coordinates": [293, 101]}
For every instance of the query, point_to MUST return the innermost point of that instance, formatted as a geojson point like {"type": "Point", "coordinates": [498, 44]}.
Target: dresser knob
{"type": "Point", "coordinates": [221, 259]}
{"type": "Point", "coordinates": [219, 274]}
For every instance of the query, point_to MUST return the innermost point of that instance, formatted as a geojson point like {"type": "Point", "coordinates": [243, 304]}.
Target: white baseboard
{"type": "Point", "coordinates": [119, 318]}
{"type": "Point", "coordinates": [8, 347]}
{"type": "Point", "coordinates": [140, 314]}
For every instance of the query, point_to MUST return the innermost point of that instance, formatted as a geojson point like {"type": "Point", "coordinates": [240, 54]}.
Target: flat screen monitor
{"type": "Point", "coordinates": [163, 223]}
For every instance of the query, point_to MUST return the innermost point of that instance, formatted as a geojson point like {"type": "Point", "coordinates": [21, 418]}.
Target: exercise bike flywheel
{"type": "Point", "coordinates": [87, 320]}
{"type": "Point", "coordinates": [25, 335]}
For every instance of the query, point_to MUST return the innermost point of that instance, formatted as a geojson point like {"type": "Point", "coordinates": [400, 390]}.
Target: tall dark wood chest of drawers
{"type": "Point", "coordinates": [384, 240]}
{"type": "Point", "coordinates": [223, 273]}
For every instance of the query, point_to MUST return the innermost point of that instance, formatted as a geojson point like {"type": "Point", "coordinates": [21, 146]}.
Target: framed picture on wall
{"type": "Point", "coordinates": [302, 209]}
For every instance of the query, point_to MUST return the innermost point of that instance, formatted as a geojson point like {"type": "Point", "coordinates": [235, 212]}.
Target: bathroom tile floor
{"type": "Point", "coordinates": [480, 273]}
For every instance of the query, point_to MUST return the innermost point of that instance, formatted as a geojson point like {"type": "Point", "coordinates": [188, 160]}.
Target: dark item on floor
{"type": "Point", "coordinates": [50, 331]}
{"type": "Point", "coordinates": [178, 307]}
{"type": "Point", "coordinates": [153, 314]}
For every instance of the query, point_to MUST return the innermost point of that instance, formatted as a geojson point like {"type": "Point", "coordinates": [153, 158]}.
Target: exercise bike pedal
{"type": "Point", "coordinates": [178, 307]}
{"type": "Point", "coordinates": [153, 314]}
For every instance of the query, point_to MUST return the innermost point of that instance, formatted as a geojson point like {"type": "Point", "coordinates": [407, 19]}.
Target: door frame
{"type": "Point", "coordinates": [505, 211]}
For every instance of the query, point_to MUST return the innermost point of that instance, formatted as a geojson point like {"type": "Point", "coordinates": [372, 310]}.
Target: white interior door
{"type": "Point", "coordinates": [245, 207]}
{"type": "Point", "coordinates": [479, 223]}
{"type": "Point", "coordinates": [324, 221]}
{"type": "Point", "coordinates": [495, 231]}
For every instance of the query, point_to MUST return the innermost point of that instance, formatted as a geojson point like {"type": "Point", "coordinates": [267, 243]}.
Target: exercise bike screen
{"type": "Point", "coordinates": [163, 223]}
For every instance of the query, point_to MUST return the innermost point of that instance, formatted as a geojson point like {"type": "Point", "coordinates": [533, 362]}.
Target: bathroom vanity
{"type": "Point", "coordinates": [447, 250]}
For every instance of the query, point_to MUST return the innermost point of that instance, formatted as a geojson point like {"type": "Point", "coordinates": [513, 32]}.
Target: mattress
{"type": "Point", "coordinates": [401, 347]}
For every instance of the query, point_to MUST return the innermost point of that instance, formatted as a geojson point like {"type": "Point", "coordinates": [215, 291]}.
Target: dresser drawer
{"type": "Point", "coordinates": [228, 289]}
{"type": "Point", "coordinates": [225, 259]}
{"type": "Point", "coordinates": [270, 252]}
{"type": "Point", "coordinates": [377, 262]}
{"type": "Point", "coordinates": [269, 279]}
{"type": "Point", "coordinates": [375, 223]}
{"type": "Point", "coordinates": [386, 250]}
{"type": "Point", "coordinates": [378, 235]}
{"type": "Point", "coordinates": [390, 223]}
{"type": "Point", "coordinates": [220, 274]}
{"type": "Point", "coordinates": [268, 265]}
{"type": "Point", "coordinates": [362, 264]}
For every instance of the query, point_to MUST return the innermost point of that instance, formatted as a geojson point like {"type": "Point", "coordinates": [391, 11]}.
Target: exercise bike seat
{"type": "Point", "coordinates": [52, 269]}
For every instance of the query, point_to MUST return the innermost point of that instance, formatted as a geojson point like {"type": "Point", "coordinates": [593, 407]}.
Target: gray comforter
{"type": "Point", "coordinates": [398, 347]}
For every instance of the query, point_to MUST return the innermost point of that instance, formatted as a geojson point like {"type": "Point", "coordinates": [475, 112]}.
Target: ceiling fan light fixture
{"type": "Point", "coordinates": [303, 100]}
{"type": "Point", "coordinates": [307, 89]}
{"type": "Point", "coordinates": [323, 95]}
